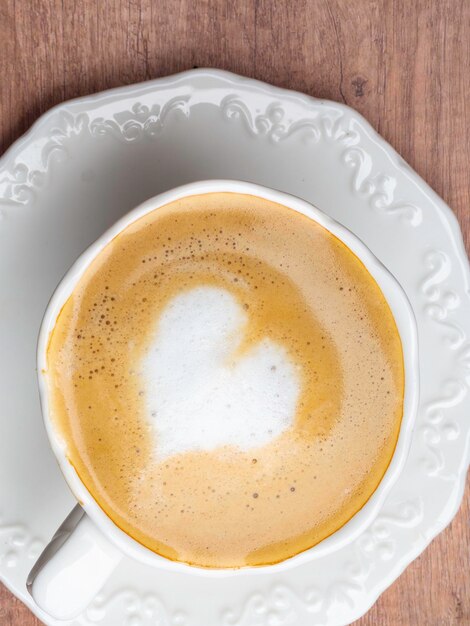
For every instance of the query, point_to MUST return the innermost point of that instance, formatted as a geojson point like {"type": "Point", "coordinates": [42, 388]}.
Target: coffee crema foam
{"type": "Point", "coordinates": [228, 380]}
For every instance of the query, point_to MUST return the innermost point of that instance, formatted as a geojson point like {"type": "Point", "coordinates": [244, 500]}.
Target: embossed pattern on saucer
{"type": "Point", "coordinates": [87, 162]}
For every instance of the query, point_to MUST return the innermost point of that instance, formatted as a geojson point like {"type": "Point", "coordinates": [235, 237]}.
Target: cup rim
{"type": "Point", "coordinates": [404, 319]}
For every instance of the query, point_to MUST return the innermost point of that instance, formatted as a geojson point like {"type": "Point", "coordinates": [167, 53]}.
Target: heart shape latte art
{"type": "Point", "coordinates": [200, 393]}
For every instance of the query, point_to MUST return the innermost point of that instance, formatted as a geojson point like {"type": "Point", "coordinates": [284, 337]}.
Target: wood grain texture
{"type": "Point", "coordinates": [403, 65]}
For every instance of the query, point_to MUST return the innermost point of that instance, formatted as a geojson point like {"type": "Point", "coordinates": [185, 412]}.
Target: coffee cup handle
{"type": "Point", "coordinates": [72, 568]}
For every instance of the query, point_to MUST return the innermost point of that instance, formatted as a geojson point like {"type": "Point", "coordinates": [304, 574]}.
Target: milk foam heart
{"type": "Point", "coordinates": [199, 393]}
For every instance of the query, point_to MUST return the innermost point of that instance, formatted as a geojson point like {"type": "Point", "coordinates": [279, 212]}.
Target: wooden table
{"type": "Point", "coordinates": [402, 64]}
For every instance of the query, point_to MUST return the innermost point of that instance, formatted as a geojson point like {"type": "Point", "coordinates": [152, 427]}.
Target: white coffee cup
{"type": "Point", "coordinates": [88, 546]}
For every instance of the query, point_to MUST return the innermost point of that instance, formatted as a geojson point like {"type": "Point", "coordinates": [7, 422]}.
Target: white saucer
{"type": "Point", "coordinates": [87, 162]}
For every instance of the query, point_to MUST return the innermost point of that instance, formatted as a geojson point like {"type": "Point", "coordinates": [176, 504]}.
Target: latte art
{"type": "Point", "coordinates": [243, 401]}
{"type": "Point", "coordinates": [228, 381]}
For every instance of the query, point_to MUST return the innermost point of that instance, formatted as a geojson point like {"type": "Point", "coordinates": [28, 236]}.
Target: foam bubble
{"type": "Point", "coordinates": [199, 394]}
